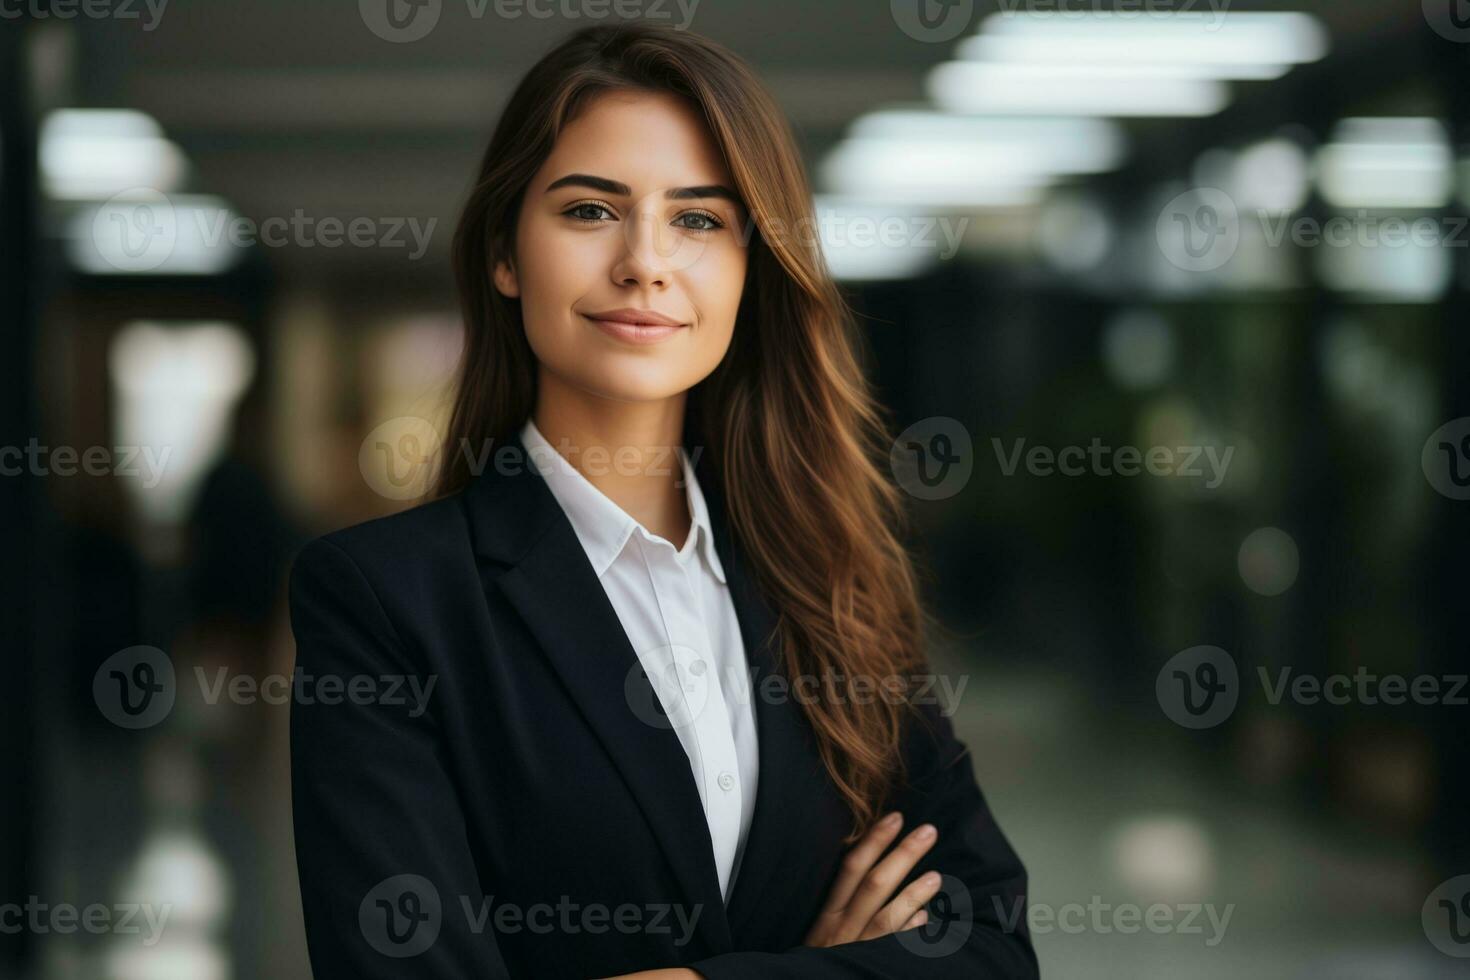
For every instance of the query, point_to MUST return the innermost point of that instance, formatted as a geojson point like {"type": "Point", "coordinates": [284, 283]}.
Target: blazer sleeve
{"type": "Point", "coordinates": [982, 902]}
{"type": "Point", "coordinates": [381, 846]}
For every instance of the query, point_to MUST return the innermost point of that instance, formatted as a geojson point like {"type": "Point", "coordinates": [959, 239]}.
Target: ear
{"type": "Point", "coordinates": [504, 275]}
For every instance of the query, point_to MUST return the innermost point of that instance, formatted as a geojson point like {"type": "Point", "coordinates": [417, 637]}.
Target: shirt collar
{"type": "Point", "coordinates": [601, 525]}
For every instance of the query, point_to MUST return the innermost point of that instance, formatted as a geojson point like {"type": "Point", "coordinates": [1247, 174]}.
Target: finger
{"type": "Point", "coordinates": [916, 920]}
{"type": "Point", "coordinates": [858, 860]}
{"type": "Point", "coordinates": [878, 886]}
{"type": "Point", "coordinates": [907, 905]}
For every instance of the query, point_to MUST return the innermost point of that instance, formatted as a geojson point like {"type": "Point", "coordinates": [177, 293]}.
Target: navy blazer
{"type": "Point", "coordinates": [527, 815]}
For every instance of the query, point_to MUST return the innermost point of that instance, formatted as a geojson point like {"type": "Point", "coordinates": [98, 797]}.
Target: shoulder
{"type": "Point", "coordinates": [365, 595]}
{"type": "Point", "coordinates": [406, 543]}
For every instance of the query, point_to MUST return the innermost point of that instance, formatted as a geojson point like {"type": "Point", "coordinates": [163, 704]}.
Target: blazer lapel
{"type": "Point", "coordinates": [789, 764]}
{"type": "Point", "coordinates": [551, 583]}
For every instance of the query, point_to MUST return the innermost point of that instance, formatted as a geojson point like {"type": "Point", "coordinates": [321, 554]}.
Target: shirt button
{"type": "Point", "coordinates": [726, 781]}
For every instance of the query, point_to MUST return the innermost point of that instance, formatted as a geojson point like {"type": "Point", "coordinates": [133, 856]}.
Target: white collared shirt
{"type": "Point", "coordinates": [676, 608]}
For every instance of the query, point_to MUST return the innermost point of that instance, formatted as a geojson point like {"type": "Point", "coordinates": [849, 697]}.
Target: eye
{"type": "Point", "coordinates": [704, 221]}
{"type": "Point", "coordinates": [588, 212]}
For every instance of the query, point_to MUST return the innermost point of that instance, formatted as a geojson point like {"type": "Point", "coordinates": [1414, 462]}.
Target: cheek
{"type": "Point", "coordinates": [716, 282]}
{"type": "Point", "coordinates": [552, 275]}
{"type": "Point", "coordinates": [556, 266]}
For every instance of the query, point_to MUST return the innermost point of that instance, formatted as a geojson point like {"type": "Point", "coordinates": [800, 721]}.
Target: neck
{"type": "Point", "coordinates": [627, 450]}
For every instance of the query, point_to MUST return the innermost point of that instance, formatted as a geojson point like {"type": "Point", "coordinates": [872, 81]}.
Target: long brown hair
{"type": "Point", "coordinates": [794, 434]}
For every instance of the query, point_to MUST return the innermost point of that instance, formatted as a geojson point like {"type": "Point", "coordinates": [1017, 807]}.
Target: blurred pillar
{"type": "Point", "coordinates": [19, 500]}
{"type": "Point", "coordinates": [1449, 574]}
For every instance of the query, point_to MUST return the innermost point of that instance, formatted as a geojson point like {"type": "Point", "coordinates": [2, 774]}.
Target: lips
{"type": "Point", "coordinates": [635, 326]}
{"type": "Point", "coordinates": [635, 332]}
{"type": "Point", "coordinates": [636, 317]}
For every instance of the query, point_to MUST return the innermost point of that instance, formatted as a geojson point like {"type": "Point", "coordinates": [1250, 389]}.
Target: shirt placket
{"type": "Point", "coordinates": [703, 716]}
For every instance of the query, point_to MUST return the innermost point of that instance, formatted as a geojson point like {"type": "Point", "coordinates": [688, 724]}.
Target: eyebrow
{"type": "Point", "coordinates": [620, 189]}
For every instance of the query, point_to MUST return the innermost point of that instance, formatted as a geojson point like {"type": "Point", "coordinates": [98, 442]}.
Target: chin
{"type": "Point", "coordinates": [619, 383]}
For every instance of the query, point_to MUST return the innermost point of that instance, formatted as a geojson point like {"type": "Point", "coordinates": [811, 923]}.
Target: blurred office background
{"type": "Point", "coordinates": [1228, 232]}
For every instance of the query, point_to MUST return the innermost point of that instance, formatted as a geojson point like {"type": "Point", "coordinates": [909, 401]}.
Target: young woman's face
{"type": "Point", "coordinates": [632, 218]}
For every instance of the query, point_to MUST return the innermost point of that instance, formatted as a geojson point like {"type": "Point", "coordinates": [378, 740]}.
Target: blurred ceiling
{"type": "Point", "coordinates": [286, 105]}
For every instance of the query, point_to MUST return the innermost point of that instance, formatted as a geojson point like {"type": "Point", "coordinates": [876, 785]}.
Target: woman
{"type": "Point", "coordinates": [658, 619]}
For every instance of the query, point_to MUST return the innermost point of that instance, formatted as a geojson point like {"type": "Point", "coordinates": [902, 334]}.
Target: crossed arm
{"type": "Point", "coordinates": [855, 908]}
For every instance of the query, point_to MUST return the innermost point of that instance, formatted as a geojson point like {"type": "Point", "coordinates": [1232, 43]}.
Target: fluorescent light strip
{"type": "Point", "coordinates": [928, 124]}
{"type": "Point", "coordinates": [862, 240]}
{"type": "Point", "coordinates": [99, 124]}
{"type": "Point", "coordinates": [1224, 38]}
{"type": "Point", "coordinates": [154, 235]}
{"type": "Point", "coordinates": [1051, 145]}
{"type": "Point", "coordinates": [1403, 162]}
{"type": "Point", "coordinates": [1167, 60]}
{"type": "Point", "coordinates": [968, 86]}
{"type": "Point", "coordinates": [95, 153]}
{"type": "Point", "coordinates": [1143, 70]}
{"type": "Point", "coordinates": [969, 172]}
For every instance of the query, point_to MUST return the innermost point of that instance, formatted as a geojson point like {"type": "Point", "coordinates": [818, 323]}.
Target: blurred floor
{"type": "Point", "coordinates": [1111, 813]}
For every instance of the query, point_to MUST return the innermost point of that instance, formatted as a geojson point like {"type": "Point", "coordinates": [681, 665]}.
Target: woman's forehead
{"type": "Point", "coordinates": [650, 141]}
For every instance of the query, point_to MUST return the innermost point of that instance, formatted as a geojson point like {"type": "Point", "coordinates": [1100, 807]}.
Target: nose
{"type": "Point", "coordinates": [642, 259]}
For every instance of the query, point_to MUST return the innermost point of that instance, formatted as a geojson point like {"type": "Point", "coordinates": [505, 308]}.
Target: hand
{"type": "Point", "coordinates": [855, 910]}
